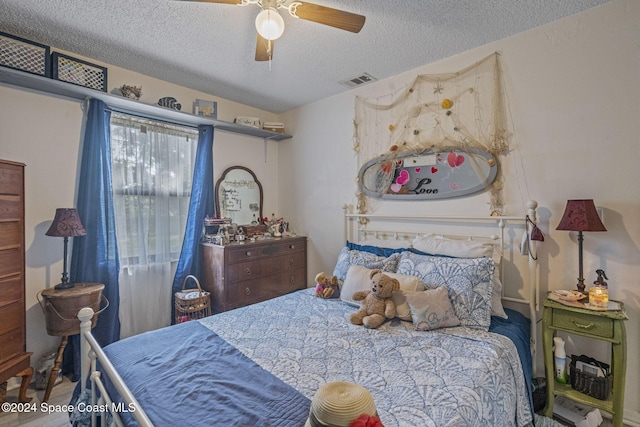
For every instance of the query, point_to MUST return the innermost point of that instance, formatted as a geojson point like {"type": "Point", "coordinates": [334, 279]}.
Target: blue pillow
{"type": "Point", "coordinates": [376, 250]}
{"type": "Point", "coordinates": [381, 251]}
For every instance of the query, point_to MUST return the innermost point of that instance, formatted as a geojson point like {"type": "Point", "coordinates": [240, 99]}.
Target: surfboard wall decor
{"type": "Point", "coordinates": [428, 175]}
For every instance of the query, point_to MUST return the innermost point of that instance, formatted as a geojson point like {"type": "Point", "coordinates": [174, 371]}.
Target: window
{"type": "Point", "coordinates": [152, 166]}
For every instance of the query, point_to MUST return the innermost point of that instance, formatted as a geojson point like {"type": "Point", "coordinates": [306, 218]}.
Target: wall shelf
{"type": "Point", "coordinates": [46, 85]}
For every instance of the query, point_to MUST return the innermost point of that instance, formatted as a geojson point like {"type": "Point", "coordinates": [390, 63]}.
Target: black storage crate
{"type": "Point", "coordinates": [82, 73]}
{"type": "Point", "coordinates": [24, 55]}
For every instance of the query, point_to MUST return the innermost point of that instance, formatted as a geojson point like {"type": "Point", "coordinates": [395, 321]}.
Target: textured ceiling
{"type": "Point", "coordinates": [210, 47]}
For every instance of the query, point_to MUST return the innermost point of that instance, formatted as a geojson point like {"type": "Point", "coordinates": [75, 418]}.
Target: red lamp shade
{"type": "Point", "coordinates": [581, 215]}
{"type": "Point", "coordinates": [66, 224]}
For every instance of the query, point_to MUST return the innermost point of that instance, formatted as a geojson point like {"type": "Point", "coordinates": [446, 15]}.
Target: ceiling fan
{"type": "Point", "coordinates": [270, 25]}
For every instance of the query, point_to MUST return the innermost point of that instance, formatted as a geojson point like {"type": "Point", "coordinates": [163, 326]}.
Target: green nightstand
{"type": "Point", "coordinates": [600, 325]}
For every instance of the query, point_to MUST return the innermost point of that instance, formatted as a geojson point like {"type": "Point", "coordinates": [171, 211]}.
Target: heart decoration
{"type": "Point", "coordinates": [453, 185]}
{"type": "Point", "coordinates": [417, 170]}
{"type": "Point", "coordinates": [434, 169]}
{"type": "Point", "coordinates": [386, 167]}
{"type": "Point", "coordinates": [403, 178]}
{"type": "Point", "coordinates": [454, 159]}
{"type": "Point", "coordinates": [395, 188]}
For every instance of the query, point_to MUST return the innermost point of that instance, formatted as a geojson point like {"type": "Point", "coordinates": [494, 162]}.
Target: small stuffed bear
{"type": "Point", "coordinates": [327, 286]}
{"type": "Point", "coordinates": [377, 305]}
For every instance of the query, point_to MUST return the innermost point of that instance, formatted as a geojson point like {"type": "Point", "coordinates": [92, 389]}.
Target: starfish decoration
{"type": "Point", "coordinates": [438, 88]}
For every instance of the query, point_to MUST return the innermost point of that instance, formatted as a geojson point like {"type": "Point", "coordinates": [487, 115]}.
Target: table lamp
{"type": "Point", "coordinates": [580, 215]}
{"type": "Point", "coordinates": [66, 224]}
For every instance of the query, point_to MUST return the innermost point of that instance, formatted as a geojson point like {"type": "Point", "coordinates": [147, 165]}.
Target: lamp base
{"type": "Point", "coordinates": [63, 285]}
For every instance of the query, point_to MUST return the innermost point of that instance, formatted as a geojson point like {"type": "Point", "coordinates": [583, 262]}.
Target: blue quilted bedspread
{"type": "Point", "coordinates": [261, 365]}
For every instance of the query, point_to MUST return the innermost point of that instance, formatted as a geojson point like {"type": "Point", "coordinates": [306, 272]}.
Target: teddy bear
{"type": "Point", "coordinates": [377, 305]}
{"type": "Point", "coordinates": [327, 286]}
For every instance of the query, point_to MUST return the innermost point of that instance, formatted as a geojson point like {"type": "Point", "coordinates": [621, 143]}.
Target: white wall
{"type": "Point", "coordinates": [44, 132]}
{"type": "Point", "coordinates": [574, 99]}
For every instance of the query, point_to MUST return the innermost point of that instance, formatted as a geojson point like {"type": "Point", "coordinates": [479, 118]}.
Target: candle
{"type": "Point", "coordinates": [598, 297]}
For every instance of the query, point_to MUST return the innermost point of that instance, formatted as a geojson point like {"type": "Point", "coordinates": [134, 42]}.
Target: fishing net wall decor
{"type": "Point", "coordinates": [438, 114]}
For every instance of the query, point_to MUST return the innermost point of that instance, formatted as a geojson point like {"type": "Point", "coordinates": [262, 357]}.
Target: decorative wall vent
{"type": "Point", "coordinates": [358, 81]}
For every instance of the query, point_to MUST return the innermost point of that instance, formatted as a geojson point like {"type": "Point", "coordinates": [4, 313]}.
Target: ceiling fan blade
{"type": "Point", "coordinates": [328, 16]}
{"type": "Point", "coordinates": [264, 49]}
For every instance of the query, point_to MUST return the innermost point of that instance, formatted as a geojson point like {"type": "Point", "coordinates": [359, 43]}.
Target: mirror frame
{"type": "Point", "coordinates": [221, 180]}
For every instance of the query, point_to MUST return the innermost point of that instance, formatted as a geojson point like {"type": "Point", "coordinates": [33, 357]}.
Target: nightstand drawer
{"type": "Point", "coordinates": [583, 323]}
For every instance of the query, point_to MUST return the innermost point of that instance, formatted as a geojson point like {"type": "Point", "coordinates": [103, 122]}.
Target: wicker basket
{"type": "Point", "coordinates": [587, 383]}
{"type": "Point", "coordinates": [193, 303]}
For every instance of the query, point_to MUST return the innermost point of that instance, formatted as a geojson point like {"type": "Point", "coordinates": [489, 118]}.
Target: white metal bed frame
{"type": "Point", "coordinates": [357, 228]}
{"type": "Point", "coordinates": [92, 353]}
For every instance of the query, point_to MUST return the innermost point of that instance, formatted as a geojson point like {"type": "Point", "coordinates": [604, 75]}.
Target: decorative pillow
{"type": "Point", "coordinates": [348, 257]}
{"type": "Point", "coordinates": [357, 279]}
{"type": "Point", "coordinates": [468, 281]}
{"type": "Point", "coordinates": [440, 245]}
{"type": "Point", "coordinates": [431, 309]}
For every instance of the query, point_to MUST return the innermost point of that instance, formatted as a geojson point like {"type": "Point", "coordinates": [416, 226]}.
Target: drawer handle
{"type": "Point", "coordinates": [248, 253]}
{"type": "Point", "coordinates": [292, 279]}
{"type": "Point", "coordinates": [247, 291]}
{"type": "Point", "coordinates": [291, 261]}
{"type": "Point", "coordinates": [292, 246]}
{"type": "Point", "coordinates": [247, 272]}
{"type": "Point", "coordinates": [580, 325]}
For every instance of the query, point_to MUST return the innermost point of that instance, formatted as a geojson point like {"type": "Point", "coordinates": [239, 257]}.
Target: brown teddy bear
{"type": "Point", "coordinates": [327, 286]}
{"type": "Point", "coordinates": [377, 305]}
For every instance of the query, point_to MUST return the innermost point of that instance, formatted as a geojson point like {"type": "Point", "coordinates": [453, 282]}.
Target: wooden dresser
{"type": "Point", "coordinates": [14, 359]}
{"type": "Point", "coordinates": [240, 274]}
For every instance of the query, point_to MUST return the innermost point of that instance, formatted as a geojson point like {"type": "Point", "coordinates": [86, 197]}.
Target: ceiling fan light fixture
{"type": "Point", "coordinates": [270, 24]}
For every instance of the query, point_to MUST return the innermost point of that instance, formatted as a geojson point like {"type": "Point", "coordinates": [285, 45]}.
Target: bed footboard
{"type": "Point", "coordinates": [91, 353]}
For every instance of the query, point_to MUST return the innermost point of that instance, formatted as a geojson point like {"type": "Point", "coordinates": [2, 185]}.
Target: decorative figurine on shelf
{"type": "Point", "coordinates": [131, 92]}
{"type": "Point", "coordinates": [600, 280]}
{"type": "Point", "coordinates": [169, 102]}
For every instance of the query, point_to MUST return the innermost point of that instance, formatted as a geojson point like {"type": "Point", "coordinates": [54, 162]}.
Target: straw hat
{"type": "Point", "coordinates": [338, 404]}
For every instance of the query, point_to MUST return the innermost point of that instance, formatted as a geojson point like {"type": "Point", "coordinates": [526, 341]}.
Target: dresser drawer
{"type": "Point", "coordinates": [583, 323]}
{"type": "Point", "coordinates": [10, 207]}
{"type": "Point", "coordinates": [252, 291]}
{"type": "Point", "coordinates": [10, 261]}
{"type": "Point", "coordinates": [10, 233]}
{"type": "Point", "coordinates": [11, 179]}
{"type": "Point", "coordinates": [10, 289]}
{"type": "Point", "coordinates": [275, 248]}
{"type": "Point", "coordinates": [11, 344]}
{"type": "Point", "coordinates": [13, 315]}
{"type": "Point", "coordinates": [243, 271]}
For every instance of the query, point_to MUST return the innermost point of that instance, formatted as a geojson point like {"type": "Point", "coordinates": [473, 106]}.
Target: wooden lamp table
{"type": "Point", "coordinates": [600, 325]}
{"type": "Point", "coordinates": [61, 308]}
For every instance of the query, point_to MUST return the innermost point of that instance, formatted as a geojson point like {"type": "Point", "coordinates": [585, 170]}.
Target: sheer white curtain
{"type": "Point", "coordinates": [152, 175]}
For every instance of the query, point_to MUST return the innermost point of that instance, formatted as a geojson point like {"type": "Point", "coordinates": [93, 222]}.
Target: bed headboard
{"type": "Point", "coordinates": [518, 271]}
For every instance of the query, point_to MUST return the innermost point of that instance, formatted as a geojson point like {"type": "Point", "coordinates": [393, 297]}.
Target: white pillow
{"type": "Point", "coordinates": [357, 279]}
{"type": "Point", "coordinates": [439, 245]}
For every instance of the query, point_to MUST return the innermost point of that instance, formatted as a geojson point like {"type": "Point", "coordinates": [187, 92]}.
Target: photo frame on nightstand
{"type": "Point", "coordinates": [205, 108]}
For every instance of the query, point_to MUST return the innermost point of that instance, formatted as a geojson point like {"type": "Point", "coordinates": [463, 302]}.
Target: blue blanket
{"type": "Point", "coordinates": [186, 375]}
{"type": "Point", "coordinates": [516, 328]}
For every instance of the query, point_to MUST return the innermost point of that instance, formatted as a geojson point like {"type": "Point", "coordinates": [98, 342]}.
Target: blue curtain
{"type": "Point", "coordinates": [95, 256]}
{"type": "Point", "coordinates": [200, 205]}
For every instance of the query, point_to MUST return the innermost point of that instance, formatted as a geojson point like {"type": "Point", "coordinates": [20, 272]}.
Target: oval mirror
{"type": "Point", "coordinates": [239, 196]}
